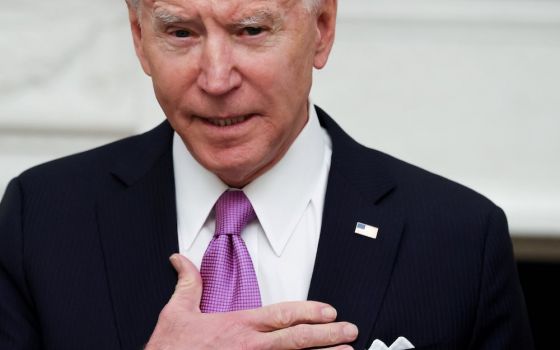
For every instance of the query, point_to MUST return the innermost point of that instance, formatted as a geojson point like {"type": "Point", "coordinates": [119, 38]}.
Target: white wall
{"type": "Point", "coordinates": [467, 89]}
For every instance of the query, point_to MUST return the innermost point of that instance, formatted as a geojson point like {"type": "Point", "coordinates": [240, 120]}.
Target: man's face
{"type": "Point", "coordinates": [233, 76]}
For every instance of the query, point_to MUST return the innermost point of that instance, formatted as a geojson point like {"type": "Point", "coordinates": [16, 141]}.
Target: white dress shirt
{"type": "Point", "coordinates": [288, 200]}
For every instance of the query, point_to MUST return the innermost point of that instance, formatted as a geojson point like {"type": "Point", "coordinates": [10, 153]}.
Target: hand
{"type": "Point", "coordinates": [291, 325]}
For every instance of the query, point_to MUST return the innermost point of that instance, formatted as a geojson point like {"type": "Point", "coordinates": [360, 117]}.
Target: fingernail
{"type": "Point", "coordinates": [174, 260]}
{"type": "Point", "coordinates": [351, 330]}
{"type": "Point", "coordinates": [329, 313]}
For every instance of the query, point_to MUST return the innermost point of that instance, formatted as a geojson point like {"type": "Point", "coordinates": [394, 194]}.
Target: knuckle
{"type": "Point", "coordinates": [245, 317]}
{"type": "Point", "coordinates": [313, 311]}
{"type": "Point", "coordinates": [167, 314]}
{"type": "Point", "coordinates": [234, 333]}
{"type": "Point", "coordinates": [232, 322]}
{"type": "Point", "coordinates": [333, 334]}
{"type": "Point", "coordinates": [302, 336]}
{"type": "Point", "coordinates": [252, 343]}
{"type": "Point", "coordinates": [185, 283]}
{"type": "Point", "coordinates": [283, 318]}
{"type": "Point", "coordinates": [246, 344]}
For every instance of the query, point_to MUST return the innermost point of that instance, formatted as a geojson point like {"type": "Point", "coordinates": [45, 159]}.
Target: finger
{"type": "Point", "coordinates": [283, 315]}
{"type": "Point", "coordinates": [311, 336]}
{"type": "Point", "coordinates": [188, 290]}
{"type": "Point", "coordinates": [339, 347]}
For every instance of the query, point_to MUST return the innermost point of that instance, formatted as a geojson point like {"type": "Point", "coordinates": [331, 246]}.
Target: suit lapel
{"type": "Point", "coordinates": [137, 228]}
{"type": "Point", "coordinates": [352, 272]}
{"type": "Point", "coordinates": [138, 233]}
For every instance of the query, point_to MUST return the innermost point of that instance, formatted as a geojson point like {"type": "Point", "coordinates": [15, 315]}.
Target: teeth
{"type": "Point", "coordinates": [227, 122]}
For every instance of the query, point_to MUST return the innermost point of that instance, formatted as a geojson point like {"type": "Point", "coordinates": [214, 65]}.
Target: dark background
{"type": "Point", "coordinates": [541, 285]}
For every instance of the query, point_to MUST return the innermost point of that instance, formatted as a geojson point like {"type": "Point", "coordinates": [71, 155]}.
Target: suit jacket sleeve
{"type": "Point", "coordinates": [18, 325]}
{"type": "Point", "coordinates": [502, 321]}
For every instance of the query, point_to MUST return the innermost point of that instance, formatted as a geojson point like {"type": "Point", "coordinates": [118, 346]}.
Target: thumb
{"type": "Point", "coordinates": [189, 284]}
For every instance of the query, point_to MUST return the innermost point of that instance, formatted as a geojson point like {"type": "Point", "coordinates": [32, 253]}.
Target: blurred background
{"type": "Point", "coordinates": [467, 89]}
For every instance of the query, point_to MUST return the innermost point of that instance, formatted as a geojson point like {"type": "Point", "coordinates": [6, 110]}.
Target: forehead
{"type": "Point", "coordinates": [224, 9]}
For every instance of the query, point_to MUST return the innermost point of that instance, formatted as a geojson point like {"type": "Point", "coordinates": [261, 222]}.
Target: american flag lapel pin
{"type": "Point", "coordinates": [366, 230]}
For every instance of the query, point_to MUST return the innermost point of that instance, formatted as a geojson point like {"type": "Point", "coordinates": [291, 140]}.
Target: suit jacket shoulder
{"type": "Point", "coordinates": [128, 158]}
{"type": "Point", "coordinates": [440, 270]}
{"type": "Point", "coordinates": [85, 242]}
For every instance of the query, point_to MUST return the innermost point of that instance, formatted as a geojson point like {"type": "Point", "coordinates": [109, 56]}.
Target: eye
{"type": "Point", "coordinates": [182, 33]}
{"type": "Point", "coordinates": [253, 31]}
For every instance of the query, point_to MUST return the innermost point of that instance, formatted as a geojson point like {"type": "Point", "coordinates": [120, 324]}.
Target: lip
{"type": "Point", "coordinates": [226, 121]}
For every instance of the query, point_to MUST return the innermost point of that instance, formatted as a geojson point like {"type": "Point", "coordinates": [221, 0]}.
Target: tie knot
{"type": "Point", "coordinates": [233, 212]}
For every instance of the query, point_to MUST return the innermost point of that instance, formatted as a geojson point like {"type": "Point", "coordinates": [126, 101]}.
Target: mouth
{"type": "Point", "coordinates": [224, 122]}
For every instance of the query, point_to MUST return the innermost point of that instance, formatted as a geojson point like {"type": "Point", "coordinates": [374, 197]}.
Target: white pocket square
{"type": "Point", "coordinates": [400, 344]}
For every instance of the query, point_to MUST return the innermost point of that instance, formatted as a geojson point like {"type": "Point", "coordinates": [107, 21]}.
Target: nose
{"type": "Point", "coordinates": [218, 74]}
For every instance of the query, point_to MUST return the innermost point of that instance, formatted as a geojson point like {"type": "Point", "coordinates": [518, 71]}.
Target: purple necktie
{"type": "Point", "coordinates": [228, 277]}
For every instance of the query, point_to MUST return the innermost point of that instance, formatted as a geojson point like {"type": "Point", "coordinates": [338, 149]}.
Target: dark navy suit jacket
{"type": "Point", "coordinates": [85, 241]}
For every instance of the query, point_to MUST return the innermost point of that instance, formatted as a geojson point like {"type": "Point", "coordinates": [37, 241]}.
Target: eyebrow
{"type": "Point", "coordinates": [259, 17]}
{"type": "Point", "coordinates": [163, 16]}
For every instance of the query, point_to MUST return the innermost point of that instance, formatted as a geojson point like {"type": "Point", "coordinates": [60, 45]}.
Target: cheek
{"type": "Point", "coordinates": [172, 77]}
{"type": "Point", "coordinates": [171, 87]}
{"type": "Point", "coordinates": [281, 80]}
{"type": "Point", "coordinates": [294, 70]}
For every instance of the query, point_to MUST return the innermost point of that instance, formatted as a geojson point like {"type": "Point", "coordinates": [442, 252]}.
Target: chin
{"type": "Point", "coordinates": [237, 175]}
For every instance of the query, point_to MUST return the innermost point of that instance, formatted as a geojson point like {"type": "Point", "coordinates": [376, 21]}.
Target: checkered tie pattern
{"type": "Point", "coordinates": [228, 276]}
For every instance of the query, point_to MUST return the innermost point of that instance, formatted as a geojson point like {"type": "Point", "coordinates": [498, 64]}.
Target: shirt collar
{"type": "Point", "coordinates": [279, 197]}
{"type": "Point", "coordinates": [196, 192]}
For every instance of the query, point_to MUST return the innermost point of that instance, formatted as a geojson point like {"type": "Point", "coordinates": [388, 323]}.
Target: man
{"type": "Point", "coordinates": [386, 251]}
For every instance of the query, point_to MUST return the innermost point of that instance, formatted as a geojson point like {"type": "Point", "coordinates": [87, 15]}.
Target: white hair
{"type": "Point", "coordinates": [311, 5]}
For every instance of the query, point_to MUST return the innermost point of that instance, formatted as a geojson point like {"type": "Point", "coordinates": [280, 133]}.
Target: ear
{"type": "Point", "coordinates": [326, 27]}
{"type": "Point", "coordinates": [136, 28]}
